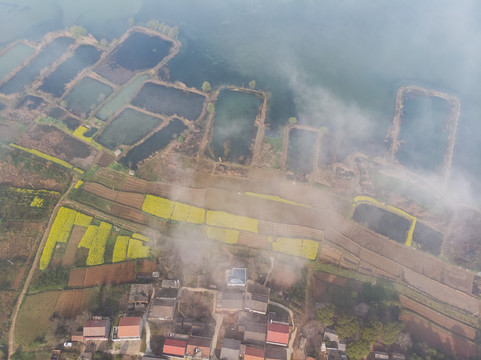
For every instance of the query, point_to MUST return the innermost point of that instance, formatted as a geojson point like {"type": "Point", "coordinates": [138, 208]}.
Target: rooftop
{"type": "Point", "coordinates": [174, 347]}
{"type": "Point", "coordinates": [254, 353]}
{"type": "Point", "coordinates": [236, 277]}
{"type": "Point", "coordinates": [129, 327]}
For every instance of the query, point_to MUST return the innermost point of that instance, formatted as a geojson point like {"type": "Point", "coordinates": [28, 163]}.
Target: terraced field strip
{"type": "Point", "coordinates": [446, 322]}
{"type": "Point", "coordinates": [48, 157]}
{"type": "Point", "coordinates": [125, 198]}
{"type": "Point", "coordinates": [367, 199]}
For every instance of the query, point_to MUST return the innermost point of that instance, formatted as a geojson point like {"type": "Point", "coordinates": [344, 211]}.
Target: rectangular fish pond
{"type": "Point", "coordinates": [84, 56]}
{"type": "Point", "coordinates": [49, 54]}
{"type": "Point", "coordinates": [301, 151]}
{"type": "Point", "coordinates": [86, 96]}
{"type": "Point", "coordinates": [129, 127]}
{"type": "Point", "coordinates": [169, 101]}
{"type": "Point", "coordinates": [158, 141]}
{"type": "Point", "coordinates": [423, 135]}
{"type": "Point", "coordinates": [13, 58]}
{"type": "Point", "coordinates": [121, 98]}
{"type": "Point", "coordinates": [234, 126]}
{"type": "Point", "coordinates": [382, 221]}
{"type": "Point", "coordinates": [138, 52]}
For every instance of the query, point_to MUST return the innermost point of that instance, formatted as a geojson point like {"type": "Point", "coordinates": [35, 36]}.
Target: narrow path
{"type": "Point", "coordinates": [13, 320]}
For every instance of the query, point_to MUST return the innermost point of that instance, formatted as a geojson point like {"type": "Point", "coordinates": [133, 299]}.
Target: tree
{"type": "Point", "coordinates": [347, 326]}
{"type": "Point", "coordinates": [131, 21]}
{"type": "Point", "coordinates": [358, 349]}
{"type": "Point", "coordinates": [292, 120]}
{"type": "Point", "coordinates": [206, 86]}
{"type": "Point", "coordinates": [77, 31]}
{"type": "Point", "coordinates": [326, 315]}
{"type": "Point", "coordinates": [391, 331]}
{"type": "Point", "coordinates": [252, 84]}
{"type": "Point", "coordinates": [404, 340]}
{"type": "Point", "coordinates": [210, 107]}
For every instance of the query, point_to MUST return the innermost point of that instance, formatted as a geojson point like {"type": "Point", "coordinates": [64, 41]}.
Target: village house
{"type": "Point", "coordinates": [198, 347]}
{"type": "Point", "coordinates": [255, 333]}
{"type": "Point", "coordinates": [381, 355]}
{"type": "Point", "coordinates": [130, 328]}
{"type": "Point", "coordinates": [397, 356]}
{"type": "Point", "coordinates": [274, 352]}
{"type": "Point", "coordinates": [278, 333]}
{"type": "Point", "coordinates": [139, 296]}
{"type": "Point", "coordinates": [230, 301]}
{"type": "Point", "coordinates": [96, 329]}
{"type": "Point", "coordinates": [256, 297]}
{"type": "Point", "coordinates": [170, 284]}
{"type": "Point", "coordinates": [174, 348]}
{"type": "Point", "coordinates": [230, 349]}
{"type": "Point", "coordinates": [165, 301]}
{"type": "Point", "coordinates": [332, 342]}
{"type": "Point", "coordinates": [254, 353]}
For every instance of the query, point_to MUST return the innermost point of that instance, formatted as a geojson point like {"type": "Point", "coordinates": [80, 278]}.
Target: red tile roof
{"type": "Point", "coordinates": [129, 327]}
{"type": "Point", "coordinates": [278, 333]}
{"type": "Point", "coordinates": [174, 347]}
{"type": "Point", "coordinates": [254, 353]}
{"type": "Point", "coordinates": [96, 328]}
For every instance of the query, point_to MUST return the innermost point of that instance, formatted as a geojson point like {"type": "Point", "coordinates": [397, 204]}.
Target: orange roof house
{"type": "Point", "coordinates": [130, 327]}
{"type": "Point", "coordinates": [254, 353]}
{"type": "Point", "coordinates": [198, 347]}
{"type": "Point", "coordinates": [174, 347]}
{"type": "Point", "coordinates": [278, 334]}
{"type": "Point", "coordinates": [96, 329]}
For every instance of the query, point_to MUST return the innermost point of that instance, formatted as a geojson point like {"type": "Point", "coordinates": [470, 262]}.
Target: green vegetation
{"type": "Point", "coordinates": [210, 107]}
{"type": "Point", "coordinates": [292, 120]}
{"type": "Point", "coordinates": [206, 86]}
{"type": "Point", "coordinates": [18, 204]}
{"type": "Point", "coordinates": [172, 32]}
{"type": "Point", "coordinates": [77, 31]}
{"type": "Point", "coordinates": [52, 278]}
{"type": "Point", "coordinates": [252, 84]}
{"type": "Point", "coordinates": [326, 315]}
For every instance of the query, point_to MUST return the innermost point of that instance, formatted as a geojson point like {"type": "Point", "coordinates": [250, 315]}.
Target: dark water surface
{"type": "Point", "coordinates": [84, 56]}
{"type": "Point", "coordinates": [383, 222]}
{"type": "Point", "coordinates": [156, 142]}
{"type": "Point", "coordinates": [301, 151]}
{"type": "Point", "coordinates": [46, 57]}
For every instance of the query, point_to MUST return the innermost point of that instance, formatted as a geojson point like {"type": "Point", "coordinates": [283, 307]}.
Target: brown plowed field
{"type": "Point", "coordinates": [110, 274]}
{"type": "Point", "coordinates": [438, 318]}
{"type": "Point", "coordinates": [76, 278]}
{"type": "Point", "coordinates": [337, 238]}
{"type": "Point", "coordinates": [72, 302]}
{"type": "Point", "coordinates": [68, 258]}
{"type": "Point", "coordinates": [422, 330]}
{"type": "Point", "coordinates": [128, 213]}
{"type": "Point", "coordinates": [252, 240]}
{"type": "Point", "coordinates": [330, 253]}
{"type": "Point", "coordinates": [125, 198]}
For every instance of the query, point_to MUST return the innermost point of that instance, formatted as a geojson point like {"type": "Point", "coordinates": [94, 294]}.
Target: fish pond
{"type": "Point", "coordinates": [13, 58]}
{"type": "Point", "coordinates": [84, 56]}
{"type": "Point", "coordinates": [169, 101]}
{"type": "Point", "coordinates": [158, 141]}
{"type": "Point", "coordinates": [423, 135]}
{"type": "Point", "coordinates": [234, 126]}
{"type": "Point", "coordinates": [29, 72]}
{"type": "Point", "coordinates": [138, 52]}
{"type": "Point", "coordinates": [382, 221]}
{"type": "Point", "coordinates": [301, 151]}
{"type": "Point", "coordinates": [86, 95]}
{"type": "Point", "coordinates": [121, 98]}
{"type": "Point", "coordinates": [427, 239]}
{"type": "Point", "coordinates": [31, 102]}
{"type": "Point", "coordinates": [127, 128]}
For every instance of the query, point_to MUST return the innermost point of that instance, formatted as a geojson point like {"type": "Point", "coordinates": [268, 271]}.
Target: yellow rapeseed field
{"type": "Point", "coordinates": [137, 250]}
{"type": "Point", "coordinates": [158, 206]}
{"type": "Point", "coordinates": [78, 184]}
{"type": "Point", "coordinates": [82, 219]}
{"type": "Point", "coordinates": [299, 247]}
{"type": "Point", "coordinates": [188, 213]}
{"type": "Point", "coordinates": [120, 248]}
{"type": "Point", "coordinates": [227, 236]}
{"type": "Point", "coordinates": [37, 202]}
{"type": "Point", "coordinates": [140, 237]}
{"type": "Point", "coordinates": [97, 248]}
{"type": "Point", "coordinates": [231, 221]}
{"type": "Point", "coordinates": [47, 157]}
{"type": "Point", "coordinates": [60, 232]}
